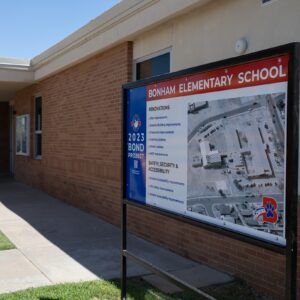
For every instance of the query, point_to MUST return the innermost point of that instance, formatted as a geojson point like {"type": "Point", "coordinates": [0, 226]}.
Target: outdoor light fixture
{"type": "Point", "coordinates": [241, 46]}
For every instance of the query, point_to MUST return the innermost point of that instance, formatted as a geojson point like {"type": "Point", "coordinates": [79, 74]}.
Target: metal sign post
{"type": "Point", "coordinates": [292, 170]}
{"type": "Point", "coordinates": [147, 265]}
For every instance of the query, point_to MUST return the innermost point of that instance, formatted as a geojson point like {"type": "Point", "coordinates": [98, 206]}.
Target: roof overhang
{"type": "Point", "coordinates": [121, 23]}
{"type": "Point", "coordinates": [15, 74]}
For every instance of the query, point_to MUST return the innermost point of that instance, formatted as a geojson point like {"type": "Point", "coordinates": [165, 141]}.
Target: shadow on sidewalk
{"type": "Point", "coordinates": [88, 240]}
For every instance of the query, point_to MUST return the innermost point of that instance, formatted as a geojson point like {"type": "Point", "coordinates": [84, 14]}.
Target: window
{"type": "Point", "coordinates": [153, 66]}
{"type": "Point", "coordinates": [265, 2]}
{"type": "Point", "coordinates": [22, 134]}
{"type": "Point", "coordinates": [38, 128]}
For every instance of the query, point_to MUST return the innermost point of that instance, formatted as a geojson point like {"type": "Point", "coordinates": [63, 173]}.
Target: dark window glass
{"type": "Point", "coordinates": [38, 113]}
{"type": "Point", "coordinates": [38, 144]}
{"type": "Point", "coordinates": [154, 66]}
{"type": "Point", "coordinates": [38, 127]}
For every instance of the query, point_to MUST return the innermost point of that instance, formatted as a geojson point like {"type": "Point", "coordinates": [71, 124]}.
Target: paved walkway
{"type": "Point", "coordinates": [59, 243]}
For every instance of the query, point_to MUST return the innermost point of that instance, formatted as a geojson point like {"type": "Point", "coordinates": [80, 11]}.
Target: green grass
{"type": "Point", "coordinates": [137, 290]}
{"type": "Point", "coordinates": [236, 290]}
{"type": "Point", "coordinates": [5, 243]}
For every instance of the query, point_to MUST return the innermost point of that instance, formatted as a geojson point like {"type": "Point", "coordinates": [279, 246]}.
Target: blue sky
{"type": "Point", "coordinates": [28, 27]}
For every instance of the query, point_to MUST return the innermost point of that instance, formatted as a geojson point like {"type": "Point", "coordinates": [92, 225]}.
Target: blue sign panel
{"type": "Point", "coordinates": [136, 144]}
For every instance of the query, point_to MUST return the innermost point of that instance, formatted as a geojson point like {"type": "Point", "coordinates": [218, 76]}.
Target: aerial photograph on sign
{"type": "Point", "coordinates": [236, 161]}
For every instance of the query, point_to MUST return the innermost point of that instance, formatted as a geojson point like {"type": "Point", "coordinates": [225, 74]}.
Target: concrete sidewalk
{"type": "Point", "coordinates": [59, 243]}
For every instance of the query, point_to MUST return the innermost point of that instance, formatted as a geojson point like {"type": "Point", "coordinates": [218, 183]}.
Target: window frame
{"type": "Point", "coordinates": [35, 131]}
{"type": "Point", "coordinates": [27, 134]}
{"type": "Point", "coordinates": [267, 3]}
{"type": "Point", "coordinates": [150, 56]}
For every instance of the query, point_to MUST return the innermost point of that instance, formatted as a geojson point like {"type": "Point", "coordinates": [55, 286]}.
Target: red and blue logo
{"type": "Point", "coordinates": [268, 211]}
{"type": "Point", "coordinates": [136, 123]}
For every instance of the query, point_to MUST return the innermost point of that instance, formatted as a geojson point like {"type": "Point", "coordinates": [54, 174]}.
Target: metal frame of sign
{"type": "Point", "coordinates": [291, 187]}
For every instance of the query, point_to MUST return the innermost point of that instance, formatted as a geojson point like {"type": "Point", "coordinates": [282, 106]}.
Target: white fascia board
{"type": "Point", "coordinates": [16, 75]}
{"type": "Point", "coordinates": [121, 23]}
{"type": "Point", "coordinates": [15, 70]}
{"type": "Point", "coordinates": [10, 62]}
{"type": "Point", "coordinates": [87, 32]}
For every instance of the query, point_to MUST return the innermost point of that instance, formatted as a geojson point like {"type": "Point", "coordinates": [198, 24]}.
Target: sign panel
{"type": "Point", "coordinates": [212, 146]}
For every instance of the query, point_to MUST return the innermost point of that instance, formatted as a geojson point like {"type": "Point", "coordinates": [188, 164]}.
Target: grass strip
{"type": "Point", "coordinates": [137, 290]}
{"type": "Point", "coordinates": [5, 243]}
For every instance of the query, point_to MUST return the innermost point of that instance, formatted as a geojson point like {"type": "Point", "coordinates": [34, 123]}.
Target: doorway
{"type": "Point", "coordinates": [4, 138]}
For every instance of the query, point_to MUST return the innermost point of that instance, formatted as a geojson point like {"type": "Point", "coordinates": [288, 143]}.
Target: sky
{"type": "Point", "coordinates": [29, 27]}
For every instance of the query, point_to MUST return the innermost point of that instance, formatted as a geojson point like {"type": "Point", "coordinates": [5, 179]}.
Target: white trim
{"type": "Point", "coordinates": [150, 56]}
{"type": "Point", "coordinates": [117, 14]}
{"type": "Point", "coordinates": [14, 63]}
{"type": "Point", "coordinates": [37, 95]}
{"type": "Point", "coordinates": [154, 54]}
{"type": "Point", "coordinates": [123, 22]}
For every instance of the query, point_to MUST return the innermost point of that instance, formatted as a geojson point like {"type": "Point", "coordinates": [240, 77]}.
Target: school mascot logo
{"type": "Point", "coordinates": [136, 123]}
{"type": "Point", "coordinates": [268, 211]}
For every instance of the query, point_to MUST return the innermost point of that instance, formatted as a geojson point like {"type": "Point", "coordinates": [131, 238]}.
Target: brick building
{"type": "Point", "coordinates": [70, 98]}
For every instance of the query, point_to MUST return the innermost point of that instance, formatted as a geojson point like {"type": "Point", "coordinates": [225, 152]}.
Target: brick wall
{"type": "Point", "coordinates": [261, 268]}
{"type": "Point", "coordinates": [4, 138]}
{"type": "Point", "coordinates": [81, 164]}
{"type": "Point", "coordinates": [81, 158]}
